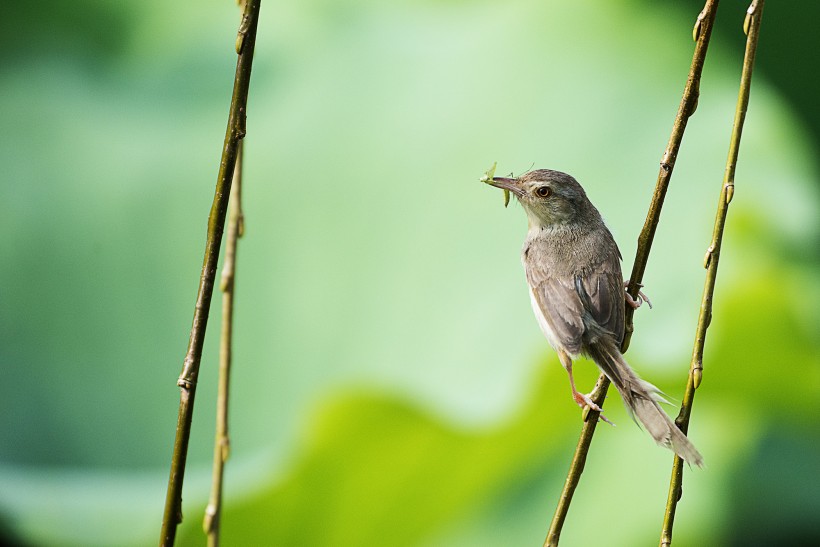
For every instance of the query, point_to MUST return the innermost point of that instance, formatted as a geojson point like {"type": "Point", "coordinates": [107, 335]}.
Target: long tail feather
{"type": "Point", "coordinates": [641, 399]}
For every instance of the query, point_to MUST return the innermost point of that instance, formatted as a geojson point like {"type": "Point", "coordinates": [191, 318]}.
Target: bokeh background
{"type": "Point", "coordinates": [391, 386]}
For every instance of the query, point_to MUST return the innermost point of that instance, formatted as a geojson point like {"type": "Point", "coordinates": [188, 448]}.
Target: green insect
{"type": "Point", "coordinates": [488, 177]}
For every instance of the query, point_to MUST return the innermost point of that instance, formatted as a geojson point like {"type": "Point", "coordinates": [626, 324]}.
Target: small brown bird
{"type": "Point", "coordinates": [573, 269]}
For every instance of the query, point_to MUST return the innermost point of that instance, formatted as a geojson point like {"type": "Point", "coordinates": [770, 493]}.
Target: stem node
{"type": "Point", "coordinates": [730, 192]}
{"type": "Point", "coordinates": [697, 375]}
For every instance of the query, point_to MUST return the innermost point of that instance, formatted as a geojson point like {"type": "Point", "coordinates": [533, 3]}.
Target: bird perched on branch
{"type": "Point", "coordinates": [573, 269]}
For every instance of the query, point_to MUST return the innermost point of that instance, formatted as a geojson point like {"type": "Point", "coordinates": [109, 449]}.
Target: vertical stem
{"type": "Point", "coordinates": [702, 32]}
{"type": "Point", "coordinates": [751, 26]}
{"type": "Point", "coordinates": [222, 443]}
{"type": "Point", "coordinates": [579, 460]}
{"type": "Point", "coordinates": [235, 131]}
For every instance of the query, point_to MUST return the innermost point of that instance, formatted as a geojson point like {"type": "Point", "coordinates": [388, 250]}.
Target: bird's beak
{"type": "Point", "coordinates": [511, 185]}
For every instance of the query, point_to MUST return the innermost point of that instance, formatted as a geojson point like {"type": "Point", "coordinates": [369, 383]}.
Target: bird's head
{"type": "Point", "coordinates": [549, 197]}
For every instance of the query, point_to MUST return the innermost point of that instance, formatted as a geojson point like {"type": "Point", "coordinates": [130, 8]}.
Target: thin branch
{"type": "Point", "coordinates": [751, 27]}
{"type": "Point", "coordinates": [702, 32]}
{"type": "Point", "coordinates": [245, 43]}
{"type": "Point", "coordinates": [222, 442]}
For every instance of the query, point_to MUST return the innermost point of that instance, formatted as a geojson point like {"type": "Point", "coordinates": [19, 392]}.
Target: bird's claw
{"type": "Point", "coordinates": [605, 419]}
{"type": "Point", "coordinates": [635, 303]}
{"type": "Point", "coordinates": [586, 403]}
{"type": "Point", "coordinates": [584, 400]}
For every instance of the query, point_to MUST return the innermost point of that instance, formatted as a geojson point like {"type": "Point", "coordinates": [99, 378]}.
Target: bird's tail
{"type": "Point", "coordinates": [641, 399]}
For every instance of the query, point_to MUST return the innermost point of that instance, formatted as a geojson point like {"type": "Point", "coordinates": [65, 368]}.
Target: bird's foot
{"type": "Point", "coordinates": [635, 303]}
{"type": "Point", "coordinates": [585, 402]}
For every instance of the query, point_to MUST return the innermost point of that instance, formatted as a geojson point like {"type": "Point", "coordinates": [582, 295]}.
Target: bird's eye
{"type": "Point", "coordinates": [543, 191]}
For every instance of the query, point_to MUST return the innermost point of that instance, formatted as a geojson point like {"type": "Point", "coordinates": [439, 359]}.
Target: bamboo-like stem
{"type": "Point", "coordinates": [751, 27]}
{"type": "Point", "coordinates": [245, 43]}
{"type": "Point", "coordinates": [702, 33]}
{"type": "Point", "coordinates": [222, 442]}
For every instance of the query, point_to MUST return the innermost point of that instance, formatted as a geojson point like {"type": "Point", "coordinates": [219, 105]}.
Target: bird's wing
{"type": "Point", "coordinates": [602, 295]}
{"type": "Point", "coordinates": [562, 310]}
{"type": "Point", "coordinates": [568, 303]}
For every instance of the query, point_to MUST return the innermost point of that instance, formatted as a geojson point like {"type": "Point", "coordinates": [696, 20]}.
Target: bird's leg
{"type": "Point", "coordinates": [581, 399]}
{"type": "Point", "coordinates": [635, 303]}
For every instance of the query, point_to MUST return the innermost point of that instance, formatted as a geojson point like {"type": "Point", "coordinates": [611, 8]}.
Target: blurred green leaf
{"type": "Point", "coordinates": [375, 467]}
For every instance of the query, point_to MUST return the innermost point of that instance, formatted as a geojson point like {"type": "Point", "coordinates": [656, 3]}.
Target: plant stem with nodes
{"type": "Point", "coordinates": [702, 32]}
{"type": "Point", "coordinates": [751, 26]}
{"type": "Point", "coordinates": [222, 443]}
{"type": "Point", "coordinates": [245, 43]}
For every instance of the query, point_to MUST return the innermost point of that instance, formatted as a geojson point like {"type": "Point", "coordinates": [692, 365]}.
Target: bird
{"type": "Point", "coordinates": [573, 270]}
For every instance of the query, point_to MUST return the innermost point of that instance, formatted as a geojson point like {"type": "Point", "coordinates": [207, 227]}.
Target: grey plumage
{"type": "Point", "coordinates": [573, 270]}
{"type": "Point", "coordinates": [641, 399]}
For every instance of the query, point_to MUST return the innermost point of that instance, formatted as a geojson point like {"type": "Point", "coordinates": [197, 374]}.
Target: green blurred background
{"type": "Point", "coordinates": [391, 386]}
